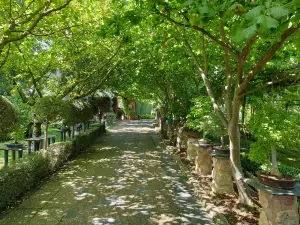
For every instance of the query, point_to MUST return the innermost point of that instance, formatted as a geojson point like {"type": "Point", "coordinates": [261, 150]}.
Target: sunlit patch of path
{"type": "Point", "coordinates": [125, 178]}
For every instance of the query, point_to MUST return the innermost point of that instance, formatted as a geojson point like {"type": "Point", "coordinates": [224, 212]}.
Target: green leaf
{"type": "Point", "coordinates": [249, 31]}
{"type": "Point", "coordinates": [267, 22]}
{"type": "Point", "coordinates": [255, 12]}
{"type": "Point", "coordinates": [188, 2]}
{"type": "Point", "coordinates": [278, 12]}
{"type": "Point", "coordinates": [234, 7]}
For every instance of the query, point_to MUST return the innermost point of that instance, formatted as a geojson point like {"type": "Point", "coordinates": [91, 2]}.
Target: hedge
{"type": "Point", "coordinates": [18, 178]}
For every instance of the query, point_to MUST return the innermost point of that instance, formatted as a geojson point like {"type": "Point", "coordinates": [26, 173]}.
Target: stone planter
{"type": "Point", "coordinates": [182, 139]}
{"type": "Point", "coordinates": [192, 149]}
{"type": "Point", "coordinates": [222, 172]}
{"type": "Point", "coordinates": [276, 182]}
{"type": "Point", "coordinates": [278, 209]}
{"type": "Point", "coordinates": [203, 159]}
{"type": "Point", "coordinates": [279, 206]}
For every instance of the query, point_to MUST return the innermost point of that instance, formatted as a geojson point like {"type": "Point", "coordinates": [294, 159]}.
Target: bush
{"type": "Point", "coordinates": [9, 117]}
{"type": "Point", "coordinates": [57, 154]}
{"type": "Point", "coordinates": [147, 116]}
{"type": "Point", "coordinates": [84, 140]}
{"type": "Point", "coordinates": [110, 118]}
{"type": "Point", "coordinates": [19, 177]}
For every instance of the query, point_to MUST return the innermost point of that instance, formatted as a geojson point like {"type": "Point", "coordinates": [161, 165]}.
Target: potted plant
{"type": "Point", "coordinates": [274, 128]}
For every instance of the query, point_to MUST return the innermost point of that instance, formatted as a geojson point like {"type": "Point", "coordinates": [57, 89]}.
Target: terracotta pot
{"type": "Point", "coordinates": [276, 182]}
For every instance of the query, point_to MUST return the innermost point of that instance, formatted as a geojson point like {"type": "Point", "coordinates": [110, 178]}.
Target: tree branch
{"type": "Point", "coordinates": [228, 101]}
{"type": "Point", "coordinates": [5, 57]}
{"type": "Point", "coordinates": [34, 82]}
{"type": "Point", "coordinates": [203, 31]}
{"type": "Point", "coordinates": [99, 84]}
{"type": "Point", "coordinates": [270, 83]}
{"type": "Point", "coordinates": [261, 64]}
{"type": "Point", "coordinates": [207, 85]}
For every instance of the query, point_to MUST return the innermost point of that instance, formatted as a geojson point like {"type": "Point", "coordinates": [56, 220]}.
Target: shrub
{"type": "Point", "coordinates": [110, 118]}
{"type": "Point", "coordinates": [57, 154]}
{"type": "Point", "coordinates": [84, 140]}
{"type": "Point", "coordinates": [19, 177]}
{"type": "Point", "coordinates": [9, 117]}
{"type": "Point", "coordinates": [147, 116]}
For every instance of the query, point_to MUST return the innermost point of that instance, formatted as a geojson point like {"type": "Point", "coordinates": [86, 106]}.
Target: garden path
{"type": "Point", "coordinates": [125, 178]}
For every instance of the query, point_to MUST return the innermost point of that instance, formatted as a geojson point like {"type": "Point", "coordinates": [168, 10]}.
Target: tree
{"type": "Point", "coordinates": [47, 109]}
{"type": "Point", "coordinates": [274, 127]}
{"type": "Point", "coordinates": [247, 35]}
{"type": "Point", "coordinates": [19, 19]}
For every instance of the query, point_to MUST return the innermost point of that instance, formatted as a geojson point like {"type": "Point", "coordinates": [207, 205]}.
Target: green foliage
{"type": "Point", "coordinates": [48, 108]}
{"type": "Point", "coordinates": [9, 117]}
{"type": "Point", "coordinates": [85, 139]}
{"type": "Point", "coordinates": [147, 116]}
{"type": "Point", "coordinates": [125, 104]}
{"type": "Point", "coordinates": [249, 165]}
{"type": "Point", "coordinates": [57, 154]}
{"type": "Point", "coordinates": [25, 118]}
{"type": "Point", "coordinates": [273, 126]}
{"type": "Point", "coordinates": [110, 118]}
{"type": "Point", "coordinates": [285, 169]}
{"type": "Point", "coordinates": [17, 178]}
{"type": "Point", "coordinates": [84, 111]}
{"type": "Point", "coordinates": [203, 118]}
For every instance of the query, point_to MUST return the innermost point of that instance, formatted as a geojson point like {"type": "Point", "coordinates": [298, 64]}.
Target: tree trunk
{"type": "Point", "coordinates": [46, 137]}
{"type": "Point", "coordinates": [234, 138]}
{"type": "Point", "coordinates": [73, 131]}
{"type": "Point", "coordinates": [274, 168]}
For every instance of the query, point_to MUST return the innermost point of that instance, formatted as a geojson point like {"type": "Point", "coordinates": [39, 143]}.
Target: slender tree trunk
{"type": "Point", "coordinates": [73, 131]}
{"type": "Point", "coordinates": [235, 155]}
{"type": "Point", "coordinates": [274, 168]}
{"type": "Point", "coordinates": [46, 137]}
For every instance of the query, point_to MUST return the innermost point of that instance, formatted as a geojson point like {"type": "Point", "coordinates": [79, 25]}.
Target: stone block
{"type": "Point", "coordinates": [222, 178]}
{"type": "Point", "coordinates": [192, 149]}
{"type": "Point", "coordinates": [278, 209]}
{"type": "Point", "coordinates": [182, 138]}
{"type": "Point", "coordinates": [203, 161]}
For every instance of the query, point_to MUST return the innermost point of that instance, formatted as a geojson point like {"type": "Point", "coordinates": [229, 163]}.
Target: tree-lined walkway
{"type": "Point", "coordinates": [125, 178]}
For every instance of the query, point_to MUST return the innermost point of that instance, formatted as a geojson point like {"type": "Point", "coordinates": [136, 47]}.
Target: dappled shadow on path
{"type": "Point", "coordinates": [124, 179]}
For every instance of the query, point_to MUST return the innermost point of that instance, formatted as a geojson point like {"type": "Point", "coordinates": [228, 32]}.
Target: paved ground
{"type": "Point", "coordinates": [125, 178]}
